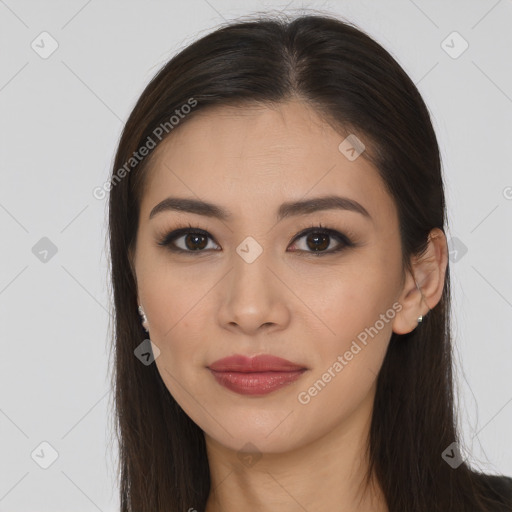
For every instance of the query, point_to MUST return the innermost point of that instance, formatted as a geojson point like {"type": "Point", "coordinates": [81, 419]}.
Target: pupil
{"type": "Point", "coordinates": [318, 237]}
{"type": "Point", "coordinates": [320, 241]}
{"type": "Point", "coordinates": [195, 239]}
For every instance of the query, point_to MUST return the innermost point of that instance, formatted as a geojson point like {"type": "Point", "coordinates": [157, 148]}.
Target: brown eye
{"type": "Point", "coordinates": [186, 240]}
{"type": "Point", "coordinates": [194, 241]}
{"type": "Point", "coordinates": [319, 239]}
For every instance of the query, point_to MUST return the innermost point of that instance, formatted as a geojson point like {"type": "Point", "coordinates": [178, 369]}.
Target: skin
{"type": "Point", "coordinates": [203, 306]}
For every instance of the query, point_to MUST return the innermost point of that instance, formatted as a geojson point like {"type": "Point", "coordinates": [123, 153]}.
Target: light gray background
{"type": "Point", "coordinates": [60, 121]}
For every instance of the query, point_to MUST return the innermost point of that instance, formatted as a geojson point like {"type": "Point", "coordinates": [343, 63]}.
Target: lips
{"type": "Point", "coordinates": [262, 363]}
{"type": "Point", "coordinates": [258, 375]}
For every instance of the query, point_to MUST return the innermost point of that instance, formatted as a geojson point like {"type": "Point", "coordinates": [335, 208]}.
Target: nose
{"type": "Point", "coordinates": [253, 298]}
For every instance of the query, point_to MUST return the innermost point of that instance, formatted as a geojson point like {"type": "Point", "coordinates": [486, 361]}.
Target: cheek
{"type": "Point", "coordinates": [348, 301]}
{"type": "Point", "coordinates": [169, 291]}
{"type": "Point", "coordinates": [357, 314]}
{"type": "Point", "coordinates": [175, 300]}
{"type": "Point", "coordinates": [179, 329]}
{"type": "Point", "coordinates": [356, 308]}
{"type": "Point", "coordinates": [347, 363]}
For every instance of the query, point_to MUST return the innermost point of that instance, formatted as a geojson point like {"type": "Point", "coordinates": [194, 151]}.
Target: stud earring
{"type": "Point", "coordinates": [420, 319]}
{"type": "Point", "coordinates": [144, 319]}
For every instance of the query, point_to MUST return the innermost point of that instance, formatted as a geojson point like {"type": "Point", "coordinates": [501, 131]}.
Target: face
{"type": "Point", "coordinates": [317, 287]}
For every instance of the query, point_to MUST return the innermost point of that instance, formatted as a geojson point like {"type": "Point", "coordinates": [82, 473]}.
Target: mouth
{"type": "Point", "coordinates": [258, 375]}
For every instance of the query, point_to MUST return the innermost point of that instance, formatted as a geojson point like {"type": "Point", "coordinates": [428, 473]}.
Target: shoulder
{"type": "Point", "coordinates": [497, 487]}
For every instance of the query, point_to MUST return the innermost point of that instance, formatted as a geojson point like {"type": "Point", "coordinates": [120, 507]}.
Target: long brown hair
{"type": "Point", "coordinates": [357, 86]}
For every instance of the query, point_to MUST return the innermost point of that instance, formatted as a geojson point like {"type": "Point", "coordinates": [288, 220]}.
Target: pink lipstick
{"type": "Point", "coordinates": [256, 375]}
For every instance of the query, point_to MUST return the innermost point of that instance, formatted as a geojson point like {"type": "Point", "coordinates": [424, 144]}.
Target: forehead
{"type": "Point", "coordinates": [256, 156]}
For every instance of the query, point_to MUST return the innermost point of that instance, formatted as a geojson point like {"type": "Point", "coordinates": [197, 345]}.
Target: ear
{"type": "Point", "coordinates": [423, 290]}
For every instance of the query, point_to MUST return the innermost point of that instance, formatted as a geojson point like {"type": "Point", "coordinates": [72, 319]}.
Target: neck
{"type": "Point", "coordinates": [326, 474]}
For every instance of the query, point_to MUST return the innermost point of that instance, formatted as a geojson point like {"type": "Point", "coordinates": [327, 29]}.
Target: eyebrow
{"type": "Point", "coordinates": [288, 209]}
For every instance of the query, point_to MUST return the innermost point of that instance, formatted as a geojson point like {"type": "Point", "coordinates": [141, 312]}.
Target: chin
{"type": "Point", "coordinates": [250, 441]}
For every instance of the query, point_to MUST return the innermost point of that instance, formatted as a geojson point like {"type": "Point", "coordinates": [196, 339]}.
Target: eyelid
{"type": "Point", "coordinates": [345, 239]}
{"type": "Point", "coordinates": [169, 237]}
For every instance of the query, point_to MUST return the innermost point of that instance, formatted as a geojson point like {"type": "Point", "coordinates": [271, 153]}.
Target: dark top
{"type": "Point", "coordinates": [500, 489]}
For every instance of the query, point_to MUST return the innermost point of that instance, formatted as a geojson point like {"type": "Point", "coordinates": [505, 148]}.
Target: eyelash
{"type": "Point", "coordinates": [345, 242]}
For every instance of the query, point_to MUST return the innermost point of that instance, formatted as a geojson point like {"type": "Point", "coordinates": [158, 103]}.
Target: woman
{"type": "Point", "coordinates": [277, 219]}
